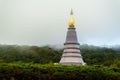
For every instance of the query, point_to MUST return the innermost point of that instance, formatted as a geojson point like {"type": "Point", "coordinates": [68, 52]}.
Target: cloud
{"type": "Point", "coordinates": [42, 22]}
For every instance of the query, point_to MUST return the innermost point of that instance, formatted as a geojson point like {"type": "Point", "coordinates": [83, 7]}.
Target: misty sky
{"type": "Point", "coordinates": [45, 22]}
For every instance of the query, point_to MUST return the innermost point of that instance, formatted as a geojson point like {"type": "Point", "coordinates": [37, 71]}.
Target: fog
{"type": "Point", "coordinates": [45, 22]}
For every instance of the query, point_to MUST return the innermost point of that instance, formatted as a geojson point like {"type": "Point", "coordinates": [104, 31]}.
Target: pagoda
{"type": "Point", "coordinates": [71, 53]}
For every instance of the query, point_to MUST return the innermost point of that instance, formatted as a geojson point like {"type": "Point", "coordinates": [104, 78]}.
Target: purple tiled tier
{"type": "Point", "coordinates": [71, 54]}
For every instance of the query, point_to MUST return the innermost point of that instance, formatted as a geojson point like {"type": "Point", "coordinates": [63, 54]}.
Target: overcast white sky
{"type": "Point", "coordinates": [45, 22]}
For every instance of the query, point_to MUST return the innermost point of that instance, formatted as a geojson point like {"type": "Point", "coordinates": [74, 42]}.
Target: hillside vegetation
{"type": "Point", "coordinates": [37, 63]}
{"type": "Point", "coordinates": [30, 71]}
{"type": "Point", "coordinates": [46, 54]}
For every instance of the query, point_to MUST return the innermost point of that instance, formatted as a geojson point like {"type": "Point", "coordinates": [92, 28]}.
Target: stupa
{"type": "Point", "coordinates": [71, 53]}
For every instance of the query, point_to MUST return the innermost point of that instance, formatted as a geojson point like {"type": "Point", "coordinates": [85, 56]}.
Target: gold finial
{"type": "Point", "coordinates": [71, 22]}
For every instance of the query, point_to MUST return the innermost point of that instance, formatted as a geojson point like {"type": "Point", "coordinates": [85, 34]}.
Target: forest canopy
{"type": "Point", "coordinates": [37, 63]}
{"type": "Point", "coordinates": [46, 54]}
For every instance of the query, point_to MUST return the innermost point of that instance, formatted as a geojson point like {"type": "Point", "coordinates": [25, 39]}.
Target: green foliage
{"type": "Point", "coordinates": [44, 55]}
{"type": "Point", "coordinates": [99, 55]}
{"type": "Point", "coordinates": [116, 63]}
{"type": "Point", "coordinates": [30, 71]}
{"type": "Point", "coordinates": [31, 63]}
{"type": "Point", "coordinates": [12, 53]}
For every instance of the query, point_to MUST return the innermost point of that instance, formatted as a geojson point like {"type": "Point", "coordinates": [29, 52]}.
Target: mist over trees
{"type": "Point", "coordinates": [37, 63]}
{"type": "Point", "coordinates": [43, 55]}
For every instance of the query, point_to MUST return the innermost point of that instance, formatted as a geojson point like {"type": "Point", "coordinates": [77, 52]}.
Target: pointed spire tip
{"type": "Point", "coordinates": [71, 11]}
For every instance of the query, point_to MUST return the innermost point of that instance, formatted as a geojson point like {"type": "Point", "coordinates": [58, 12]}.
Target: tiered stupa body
{"type": "Point", "coordinates": [71, 54]}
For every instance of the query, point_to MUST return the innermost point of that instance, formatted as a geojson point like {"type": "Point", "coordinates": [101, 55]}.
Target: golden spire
{"type": "Point", "coordinates": [71, 22]}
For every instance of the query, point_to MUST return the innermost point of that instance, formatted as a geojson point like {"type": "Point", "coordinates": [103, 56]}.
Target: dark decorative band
{"type": "Point", "coordinates": [72, 48]}
{"type": "Point", "coordinates": [71, 43]}
{"type": "Point", "coordinates": [71, 28]}
{"type": "Point", "coordinates": [70, 52]}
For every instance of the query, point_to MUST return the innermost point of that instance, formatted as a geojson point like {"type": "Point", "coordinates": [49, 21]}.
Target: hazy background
{"type": "Point", "coordinates": [45, 22]}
